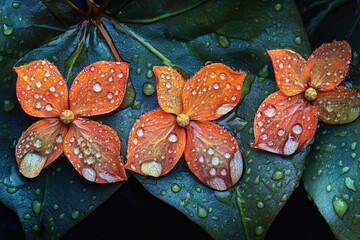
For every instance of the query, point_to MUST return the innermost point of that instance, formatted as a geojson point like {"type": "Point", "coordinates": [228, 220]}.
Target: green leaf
{"type": "Point", "coordinates": [332, 178]}
{"type": "Point", "coordinates": [186, 36]}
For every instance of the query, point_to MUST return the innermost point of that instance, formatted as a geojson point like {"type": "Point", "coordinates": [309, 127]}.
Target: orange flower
{"type": "Point", "coordinates": [92, 148]}
{"type": "Point", "coordinates": [287, 120]}
{"type": "Point", "coordinates": [182, 125]}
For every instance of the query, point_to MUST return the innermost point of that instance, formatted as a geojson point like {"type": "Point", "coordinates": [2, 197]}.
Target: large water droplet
{"type": "Point", "coordinates": [8, 105]}
{"type": "Point", "coordinates": [97, 87]}
{"type": "Point", "coordinates": [36, 206]}
{"type": "Point", "coordinates": [277, 175]}
{"type": "Point", "coordinates": [175, 187]}
{"type": "Point", "coordinates": [340, 206]}
{"type": "Point", "coordinates": [172, 137]}
{"type": "Point", "coordinates": [148, 88]}
{"type": "Point", "coordinates": [201, 211]}
{"type": "Point", "coordinates": [7, 29]}
{"type": "Point", "coordinates": [224, 41]}
{"type": "Point", "coordinates": [350, 183]}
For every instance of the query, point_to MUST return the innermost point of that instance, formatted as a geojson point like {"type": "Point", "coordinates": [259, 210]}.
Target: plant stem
{"type": "Point", "coordinates": [108, 40]}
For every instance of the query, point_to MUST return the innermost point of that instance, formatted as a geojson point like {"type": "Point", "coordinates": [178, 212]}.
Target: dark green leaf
{"type": "Point", "coordinates": [332, 178]}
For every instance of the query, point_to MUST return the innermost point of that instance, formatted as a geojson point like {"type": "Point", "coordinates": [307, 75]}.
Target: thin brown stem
{"type": "Point", "coordinates": [108, 39]}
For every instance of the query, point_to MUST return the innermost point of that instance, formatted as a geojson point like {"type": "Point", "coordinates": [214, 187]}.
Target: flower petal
{"type": "Point", "coordinates": [284, 124]}
{"type": "Point", "coordinates": [169, 87]}
{"type": "Point", "coordinates": [93, 149]}
{"type": "Point", "coordinates": [329, 65]}
{"type": "Point", "coordinates": [290, 70]}
{"type": "Point", "coordinates": [155, 144]}
{"type": "Point", "coordinates": [212, 92]}
{"type": "Point", "coordinates": [213, 155]}
{"type": "Point", "coordinates": [99, 88]}
{"type": "Point", "coordinates": [41, 90]}
{"type": "Point", "coordinates": [39, 146]}
{"type": "Point", "coordinates": [338, 106]}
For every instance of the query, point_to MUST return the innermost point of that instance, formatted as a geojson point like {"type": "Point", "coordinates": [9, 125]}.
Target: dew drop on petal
{"type": "Point", "coordinates": [270, 111]}
{"type": "Point", "coordinates": [227, 155]}
{"type": "Point", "coordinates": [31, 164]}
{"type": "Point", "coordinates": [48, 107]}
{"type": "Point", "coordinates": [211, 151]}
{"type": "Point", "coordinates": [140, 132]}
{"type": "Point", "coordinates": [172, 137]}
{"type": "Point", "coordinates": [89, 173]}
{"type": "Point", "coordinates": [38, 105]}
{"type": "Point", "coordinates": [110, 95]}
{"type": "Point", "coordinates": [151, 168]}
{"type": "Point", "coordinates": [297, 129]}
{"type": "Point", "coordinates": [59, 138]}
{"type": "Point", "coordinates": [38, 84]}
{"type": "Point", "coordinates": [222, 76]}
{"type": "Point", "coordinates": [290, 146]}
{"type": "Point", "coordinates": [38, 143]}
{"type": "Point", "coordinates": [215, 160]}
{"type": "Point", "coordinates": [97, 87]}
{"type": "Point", "coordinates": [52, 88]}
{"type": "Point", "coordinates": [280, 132]}
{"type": "Point", "coordinates": [216, 86]}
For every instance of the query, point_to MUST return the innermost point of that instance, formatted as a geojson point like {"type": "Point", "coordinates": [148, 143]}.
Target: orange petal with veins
{"type": "Point", "coordinates": [99, 88]}
{"type": "Point", "coordinates": [291, 73]}
{"type": "Point", "coordinates": [338, 106]}
{"type": "Point", "coordinates": [329, 65]}
{"type": "Point", "coordinates": [39, 146]}
{"type": "Point", "coordinates": [212, 92]}
{"type": "Point", "coordinates": [169, 87]}
{"type": "Point", "coordinates": [40, 89]}
{"type": "Point", "coordinates": [93, 149]}
{"type": "Point", "coordinates": [213, 155]}
{"type": "Point", "coordinates": [283, 124]}
{"type": "Point", "coordinates": [155, 144]}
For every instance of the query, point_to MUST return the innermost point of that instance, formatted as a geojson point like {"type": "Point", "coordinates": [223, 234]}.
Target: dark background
{"type": "Point", "coordinates": [142, 216]}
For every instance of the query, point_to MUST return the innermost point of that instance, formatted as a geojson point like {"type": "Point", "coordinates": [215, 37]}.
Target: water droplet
{"type": "Point", "coordinates": [11, 189]}
{"type": "Point", "coordinates": [55, 206]}
{"type": "Point", "coordinates": [298, 40]}
{"type": "Point", "coordinates": [135, 58]}
{"type": "Point", "coordinates": [15, 5]}
{"type": "Point", "coordinates": [328, 188]}
{"type": "Point", "coordinates": [277, 175]}
{"type": "Point", "coordinates": [173, 137]}
{"type": "Point", "coordinates": [97, 87]}
{"type": "Point", "coordinates": [350, 183]}
{"type": "Point", "coordinates": [175, 187]}
{"type": "Point", "coordinates": [215, 160]}
{"type": "Point", "coordinates": [224, 41]}
{"type": "Point", "coordinates": [48, 107]}
{"type": "Point", "coordinates": [340, 206]}
{"type": "Point", "coordinates": [148, 88]}
{"type": "Point", "coordinates": [201, 211]}
{"type": "Point", "coordinates": [224, 197]}
{"type": "Point", "coordinates": [89, 173]}
{"type": "Point", "coordinates": [260, 204]}
{"type": "Point", "coordinates": [353, 146]}
{"type": "Point", "coordinates": [140, 132]}
{"type": "Point", "coordinates": [259, 230]}
{"type": "Point", "coordinates": [36, 206]}
{"type": "Point", "coordinates": [277, 7]}
{"type": "Point", "coordinates": [75, 214]}
{"type": "Point", "coordinates": [8, 105]}
{"type": "Point", "coordinates": [27, 216]}
{"type": "Point", "coordinates": [297, 129]}
{"type": "Point", "coordinates": [38, 143]}
{"type": "Point", "coordinates": [211, 151]}
{"type": "Point", "coordinates": [35, 227]}
{"type": "Point", "coordinates": [270, 111]}
{"type": "Point", "coordinates": [281, 132]}
{"type": "Point", "coordinates": [264, 72]}
{"type": "Point", "coordinates": [149, 74]}
{"type": "Point", "coordinates": [7, 29]}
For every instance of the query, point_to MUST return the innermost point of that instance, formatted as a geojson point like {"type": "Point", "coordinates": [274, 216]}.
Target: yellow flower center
{"type": "Point", "coordinates": [182, 120]}
{"type": "Point", "coordinates": [67, 116]}
{"type": "Point", "coordinates": [310, 94]}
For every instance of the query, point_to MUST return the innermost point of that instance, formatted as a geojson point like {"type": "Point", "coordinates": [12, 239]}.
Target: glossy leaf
{"type": "Point", "coordinates": [101, 86]}
{"type": "Point", "coordinates": [331, 177]}
{"type": "Point", "coordinates": [213, 155]}
{"type": "Point", "coordinates": [283, 124]}
{"type": "Point", "coordinates": [329, 65]}
{"type": "Point", "coordinates": [338, 106]}
{"type": "Point", "coordinates": [212, 92]}
{"type": "Point", "coordinates": [156, 144]}
{"type": "Point", "coordinates": [169, 88]}
{"type": "Point", "coordinates": [40, 89]}
{"type": "Point", "coordinates": [291, 74]}
{"type": "Point", "coordinates": [40, 145]}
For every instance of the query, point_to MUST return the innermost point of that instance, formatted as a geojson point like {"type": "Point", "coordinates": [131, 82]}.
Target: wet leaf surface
{"type": "Point", "coordinates": [59, 198]}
